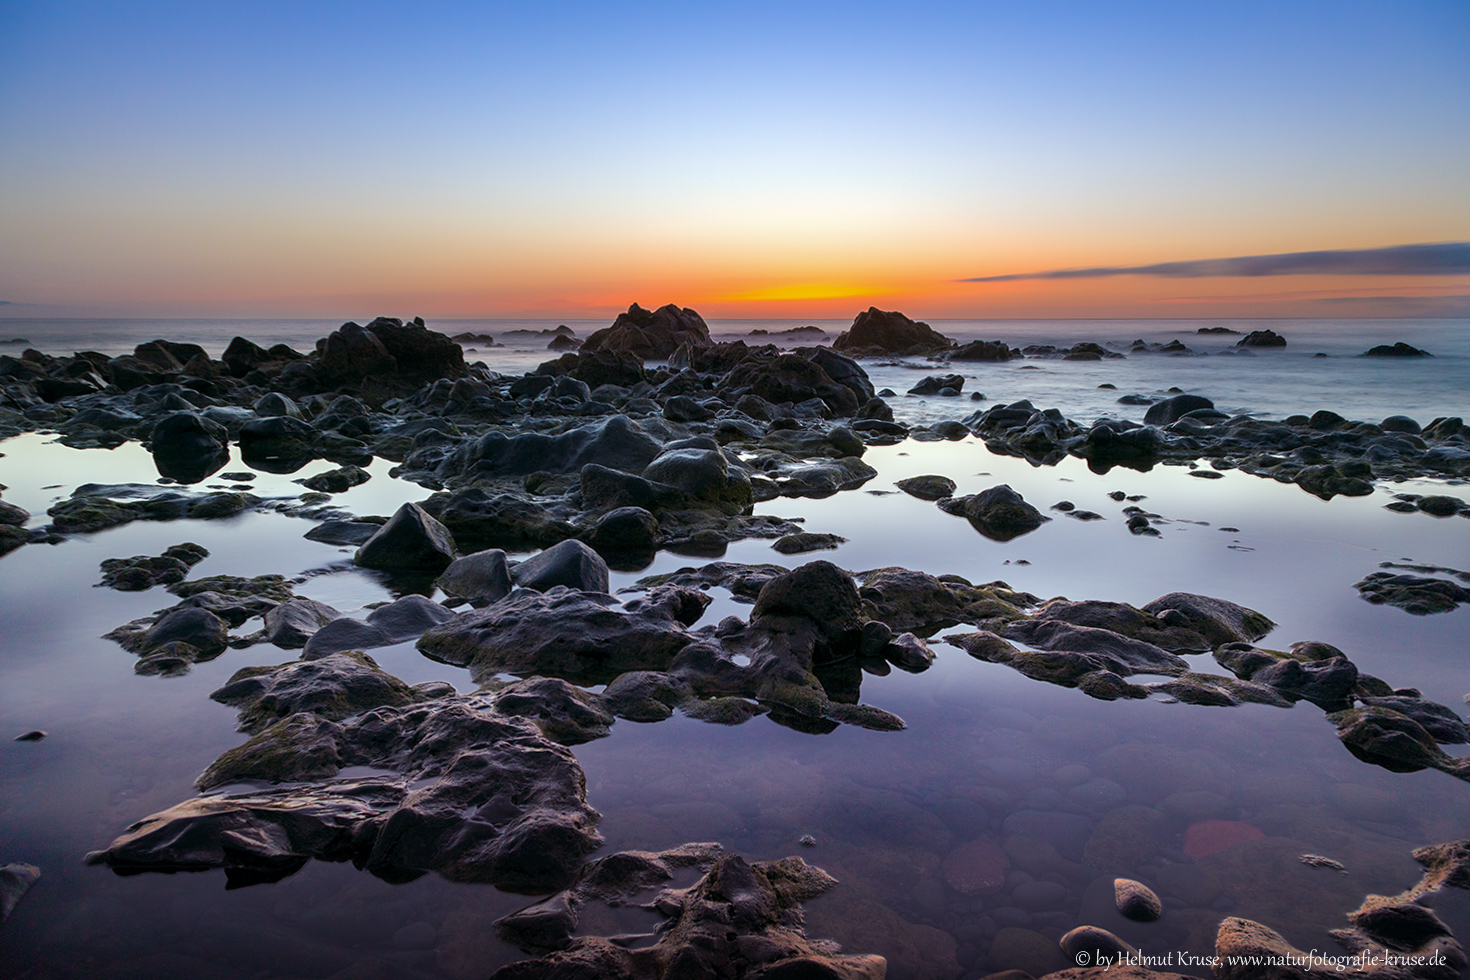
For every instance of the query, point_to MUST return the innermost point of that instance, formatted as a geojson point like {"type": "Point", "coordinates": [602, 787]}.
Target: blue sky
{"type": "Point", "coordinates": [494, 159]}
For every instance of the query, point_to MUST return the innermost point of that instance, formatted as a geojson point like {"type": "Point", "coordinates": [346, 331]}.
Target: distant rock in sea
{"type": "Point", "coordinates": [881, 332]}
{"type": "Point", "coordinates": [653, 334]}
{"type": "Point", "coordinates": [808, 330]}
{"type": "Point", "coordinates": [17, 341]}
{"type": "Point", "coordinates": [1216, 330]}
{"type": "Point", "coordinates": [1399, 349]}
{"type": "Point", "coordinates": [1262, 338]}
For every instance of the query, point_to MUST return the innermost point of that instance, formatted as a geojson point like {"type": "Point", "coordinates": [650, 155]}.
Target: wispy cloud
{"type": "Point", "coordinates": [1439, 259]}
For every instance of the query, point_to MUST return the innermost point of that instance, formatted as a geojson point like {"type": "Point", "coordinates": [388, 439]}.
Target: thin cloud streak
{"type": "Point", "coordinates": [1438, 259]}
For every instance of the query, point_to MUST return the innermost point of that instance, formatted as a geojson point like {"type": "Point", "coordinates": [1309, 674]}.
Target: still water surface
{"type": "Point", "coordinates": [1074, 790]}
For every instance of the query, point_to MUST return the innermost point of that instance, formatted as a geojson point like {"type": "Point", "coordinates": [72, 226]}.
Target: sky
{"type": "Point", "coordinates": [743, 159]}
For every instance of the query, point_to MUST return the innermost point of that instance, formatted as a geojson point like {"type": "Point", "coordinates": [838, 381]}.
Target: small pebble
{"type": "Point", "coordinates": [1136, 900]}
{"type": "Point", "coordinates": [807, 840]}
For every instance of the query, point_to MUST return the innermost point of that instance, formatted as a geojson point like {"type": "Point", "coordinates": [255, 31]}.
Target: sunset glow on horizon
{"type": "Point", "coordinates": [469, 160]}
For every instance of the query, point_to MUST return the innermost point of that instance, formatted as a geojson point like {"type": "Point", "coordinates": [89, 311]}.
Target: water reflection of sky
{"type": "Point", "coordinates": [983, 743]}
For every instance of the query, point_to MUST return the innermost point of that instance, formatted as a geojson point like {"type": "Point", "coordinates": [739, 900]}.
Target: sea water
{"type": "Point", "coordinates": [1054, 777]}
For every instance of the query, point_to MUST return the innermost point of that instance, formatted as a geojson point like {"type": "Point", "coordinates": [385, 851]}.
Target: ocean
{"type": "Point", "coordinates": [1264, 382]}
{"type": "Point", "coordinates": [1213, 807]}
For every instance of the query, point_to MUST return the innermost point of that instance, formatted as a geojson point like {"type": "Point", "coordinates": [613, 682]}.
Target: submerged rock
{"type": "Point", "coordinates": [738, 919]}
{"type": "Point", "coordinates": [1136, 900]}
{"type": "Point", "coordinates": [15, 880]}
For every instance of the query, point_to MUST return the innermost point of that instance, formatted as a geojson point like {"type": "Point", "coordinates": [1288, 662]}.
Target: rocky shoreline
{"type": "Point", "coordinates": [600, 462]}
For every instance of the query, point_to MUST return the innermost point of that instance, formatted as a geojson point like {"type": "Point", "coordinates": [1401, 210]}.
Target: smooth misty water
{"type": "Point", "coordinates": [986, 749]}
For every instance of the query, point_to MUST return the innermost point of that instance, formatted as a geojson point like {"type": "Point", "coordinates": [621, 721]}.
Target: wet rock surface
{"type": "Point", "coordinates": [740, 918]}
{"type": "Point", "coordinates": [465, 792]}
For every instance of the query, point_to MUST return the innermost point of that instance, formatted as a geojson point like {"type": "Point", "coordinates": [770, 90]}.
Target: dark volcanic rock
{"type": "Point", "coordinates": [740, 919]}
{"type": "Point", "coordinates": [1173, 409]}
{"type": "Point", "coordinates": [337, 481]}
{"type": "Point", "coordinates": [927, 487]}
{"type": "Point", "coordinates": [1261, 338]}
{"type": "Point", "coordinates": [295, 621]}
{"type": "Point", "coordinates": [1414, 594]}
{"type": "Point", "coordinates": [1398, 743]}
{"type": "Point", "coordinates": [596, 368]}
{"type": "Point", "coordinates": [1126, 654]}
{"type": "Point", "coordinates": [353, 352]}
{"type": "Point", "coordinates": [16, 879]}
{"type": "Point", "coordinates": [483, 518]}
{"type": "Point", "coordinates": [419, 354]}
{"type": "Point", "coordinates": [334, 687]}
{"type": "Point", "coordinates": [623, 530]}
{"type": "Point", "coordinates": [616, 442]}
{"type": "Point", "coordinates": [188, 447]}
{"type": "Point", "coordinates": [999, 513]}
{"type": "Point", "coordinates": [876, 331]}
{"type": "Point", "coordinates": [565, 714]}
{"type": "Point", "coordinates": [145, 571]}
{"type": "Point", "coordinates": [704, 476]}
{"type": "Point", "coordinates": [1171, 633]}
{"type": "Point", "coordinates": [571, 563]}
{"type": "Point", "coordinates": [818, 591]}
{"type": "Point", "coordinates": [919, 602]}
{"type": "Point", "coordinates": [935, 384]}
{"type": "Point", "coordinates": [982, 350]}
{"type": "Point", "coordinates": [1217, 620]}
{"type": "Point", "coordinates": [579, 636]}
{"type": "Point", "coordinates": [805, 541]}
{"type": "Point", "coordinates": [651, 335]}
{"type": "Point", "coordinates": [482, 577]}
{"type": "Point", "coordinates": [410, 539]}
{"type": "Point", "coordinates": [467, 793]}
{"type": "Point", "coordinates": [1399, 349]}
{"type": "Point", "coordinates": [406, 617]}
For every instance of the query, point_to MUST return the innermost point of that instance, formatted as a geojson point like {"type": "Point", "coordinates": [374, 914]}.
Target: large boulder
{"type": "Point", "coordinates": [704, 476]}
{"type": "Point", "coordinates": [482, 577]}
{"type": "Point", "coordinates": [579, 636]}
{"type": "Point", "coordinates": [419, 354]}
{"type": "Point", "coordinates": [880, 332]}
{"type": "Point", "coordinates": [616, 442]}
{"type": "Point", "coordinates": [293, 622]}
{"type": "Point", "coordinates": [570, 563]}
{"type": "Point", "coordinates": [1261, 338]}
{"type": "Point", "coordinates": [651, 335]}
{"type": "Point", "coordinates": [187, 447]}
{"type": "Point", "coordinates": [410, 540]}
{"type": "Point", "coordinates": [818, 591]}
{"type": "Point", "coordinates": [1173, 409]}
{"type": "Point", "coordinates": [1217, 620]}
{"type": "Point", "coordinates": [353, 352]}
{"type": "Point", "coordinates": [454, 788]}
